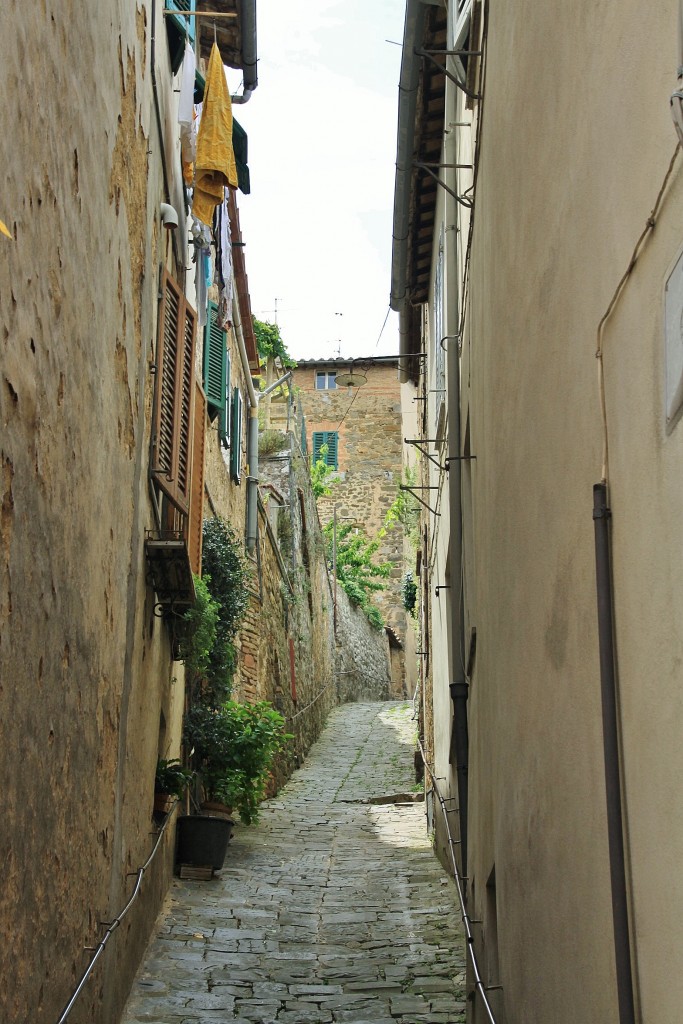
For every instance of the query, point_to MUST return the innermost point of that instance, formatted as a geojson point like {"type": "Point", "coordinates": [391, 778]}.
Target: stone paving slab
{"type": "Point", "coordinates": [332, 910]}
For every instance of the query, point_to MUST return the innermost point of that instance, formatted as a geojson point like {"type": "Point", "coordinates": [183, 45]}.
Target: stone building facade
{"type": "Point", "coordinates": [363, 424]}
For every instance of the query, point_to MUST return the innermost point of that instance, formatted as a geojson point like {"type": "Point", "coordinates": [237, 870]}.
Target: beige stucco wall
{"type": "Point", "coordinates": [576, 142]}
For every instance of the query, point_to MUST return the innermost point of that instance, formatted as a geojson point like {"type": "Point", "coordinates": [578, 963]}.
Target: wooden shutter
{"type": "Point", "coordinates": [236, 436]}
{"type": "Point", "coordinates": [224, 416]}
{"type": "Point", "coordinates": [184, 24]}
{"type": "Point", "coordinates": [215, 367]}
{"type": "Point", "coordinates": [331, 442]}
{"type": "Point", "coordinates": [194, 533]}
{"type": "Point", "coordinates": [172, 424]}
{"type": "Point", "coordinates": [329, 438]}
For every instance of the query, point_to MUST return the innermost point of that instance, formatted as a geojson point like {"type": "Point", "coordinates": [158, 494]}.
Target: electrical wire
{"type": "Point", "coordinates": [383, 326]}
{"type": "Point", "coordinates": [348, 409]}
{"type": "Point", "coordinates": [649, 227]}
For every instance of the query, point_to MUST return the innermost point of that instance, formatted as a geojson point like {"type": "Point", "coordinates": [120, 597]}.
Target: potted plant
{"type": "Point", "coordinates": [234, 747]}
{"type": "Point", "coordinates": [170, 782]}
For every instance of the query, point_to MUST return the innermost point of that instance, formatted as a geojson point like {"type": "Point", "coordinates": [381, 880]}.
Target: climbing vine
{"type": "Point", "coordinates": [358, 573]}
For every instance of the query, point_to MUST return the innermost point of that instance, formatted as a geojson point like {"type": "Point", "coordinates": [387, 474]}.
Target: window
{"type": "Point", "coordinates": [185, 25]}
{"type": "Point", "coordinates": [326, 380]}
{"type": "Point", "coordinates": [216, 371]}
{"type": "Point", "coordinates": [329, 438]}
{"type": "Point", "coordinates": [236, 436]}
{"type": "Point", "coordinates": [172, 423]}
{"type": "Point", "coordinates": [178, 29]}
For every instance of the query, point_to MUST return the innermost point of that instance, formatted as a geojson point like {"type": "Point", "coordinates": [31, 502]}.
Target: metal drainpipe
{"type": "Point", "coordinates": [180, 267]}
{"type": "Point", "coordinates": [252, 432]}
{"type": "Point", "coordinates": [459, 687]}
{"type": "Point", "coordinates": [249, 58]}
{"type": "Point", "coordinates": [610, 733]}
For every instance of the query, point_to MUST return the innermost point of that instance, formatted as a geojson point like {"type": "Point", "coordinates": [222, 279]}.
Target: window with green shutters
{"type": "Point", "coordinates": [216, 369]}
{"type": "Point", "coordinates": [329, 438]}
{"type": "Point", "coordinates": [236, 436]}
{"type": "Point", "coordinates": [184, 25]}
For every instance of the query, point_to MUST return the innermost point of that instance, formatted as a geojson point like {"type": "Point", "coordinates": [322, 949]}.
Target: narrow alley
{"type": "Point", "coordinates": [332, 909]}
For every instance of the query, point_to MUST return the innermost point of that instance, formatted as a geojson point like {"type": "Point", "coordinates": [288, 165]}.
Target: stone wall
{"type": "Point", "coordinates": [294, 614]}
{"type": "Point", "coordinates": [363, 665]}
{"type": "Point", "coordinates": [87, 697]}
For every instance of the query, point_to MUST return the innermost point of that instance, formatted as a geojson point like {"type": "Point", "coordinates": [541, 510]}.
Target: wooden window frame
{"type": "Point", "coordinates": [174, 395]}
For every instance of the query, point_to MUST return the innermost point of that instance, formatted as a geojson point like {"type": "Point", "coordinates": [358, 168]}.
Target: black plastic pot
{"type": "Point", "coordinates": [202, 841]}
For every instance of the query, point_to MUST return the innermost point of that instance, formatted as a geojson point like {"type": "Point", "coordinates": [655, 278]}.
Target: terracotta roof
{"type": "Point", "coordinates": [357, 361]}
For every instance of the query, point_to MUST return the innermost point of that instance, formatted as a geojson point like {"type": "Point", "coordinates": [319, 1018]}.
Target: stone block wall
{"type": "Point", "coordinates": [363, 659]}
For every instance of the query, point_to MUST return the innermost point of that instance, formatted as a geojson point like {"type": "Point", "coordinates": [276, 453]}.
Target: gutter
{"type": "Point", "coordinates": [249, 57]}
{"type": "Point", "coordinates": [411, 66]}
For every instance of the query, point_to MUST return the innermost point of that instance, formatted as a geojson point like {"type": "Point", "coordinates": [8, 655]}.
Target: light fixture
{"type": "Point", "coordinates": [351, 379]}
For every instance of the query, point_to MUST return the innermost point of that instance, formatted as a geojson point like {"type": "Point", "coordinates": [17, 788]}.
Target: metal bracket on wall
{"type": "Point", "coordinates": [465, 201]}
{"type": "Point", "coordinates": [430, 54]}
{"type": "Point", "coordinates": [441, 586]}
{"type": "Point", "coordinates": [405, 487]}
{"type": "Point", "coordinates": [458, 458]}
{"type": "Point", "coordinates": [418, 442]}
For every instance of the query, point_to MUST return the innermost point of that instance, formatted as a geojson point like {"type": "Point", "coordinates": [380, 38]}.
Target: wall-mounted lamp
{"type": "Point", "coordinates": [441, 586]}
{"type": "Point", "coordinates": [169, 218]}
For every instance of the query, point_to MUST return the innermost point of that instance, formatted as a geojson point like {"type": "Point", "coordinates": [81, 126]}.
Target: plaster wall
{"type": "Point", "coordinates": [574, 151]}
{"type": "Point", "coordinates": [87, 698]}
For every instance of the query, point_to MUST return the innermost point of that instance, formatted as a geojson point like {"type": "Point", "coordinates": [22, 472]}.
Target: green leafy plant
{"type": "Point", "coordinates": [171, 777]}
{"type": "Point", "coordinates": [321, 473]}
{"type": "Point", "coordinates": [270, 344]}
{"type": "Point", "coordinates": [226, 575]}
{"type": "Point", "coordinates": [272, 441]}
{"type": "Point", "coordinates": [358, 573]}
{"type": "Point", "coordinates": [409, 593]}
{"type": "Point", "coordinates": [197, 631]}
{"type": "Point", "coordinates": [234, 746]}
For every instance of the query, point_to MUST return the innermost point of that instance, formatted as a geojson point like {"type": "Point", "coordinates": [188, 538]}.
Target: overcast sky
{"type": "Point", "coordinates": [322, 152]}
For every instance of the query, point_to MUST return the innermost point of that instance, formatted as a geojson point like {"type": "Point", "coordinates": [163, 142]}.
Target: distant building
{"type": "Point", "coordinates": [354, 409]}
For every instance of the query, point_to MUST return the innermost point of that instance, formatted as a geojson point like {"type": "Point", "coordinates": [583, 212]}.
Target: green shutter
{"type": "Point", "coordinates": [236, 436]}
{"type": "Point", "coordinates": [224, 415]}
{"type": "Point", "coordinates": [331, 449]}
{"type": "Point", "coordinates": [215, 363]}
{"type": "Point", "coordinates": [184, 25]}
{"type": "Point", "coordinates": [329, 438]}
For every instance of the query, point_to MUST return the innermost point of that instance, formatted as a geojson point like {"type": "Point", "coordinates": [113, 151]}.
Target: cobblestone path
{"type": "Point", "coordinates": [331, 909]}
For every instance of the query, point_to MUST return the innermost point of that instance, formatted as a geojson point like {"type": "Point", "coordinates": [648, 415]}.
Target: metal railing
{"type": "Point", "coordinates": [466, 920]}
{"type": "Point", "coordinates": [98, 950]}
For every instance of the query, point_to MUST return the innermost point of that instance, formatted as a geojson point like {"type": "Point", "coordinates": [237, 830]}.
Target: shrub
{"type": "Point", "coordinates": [234, 747]}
